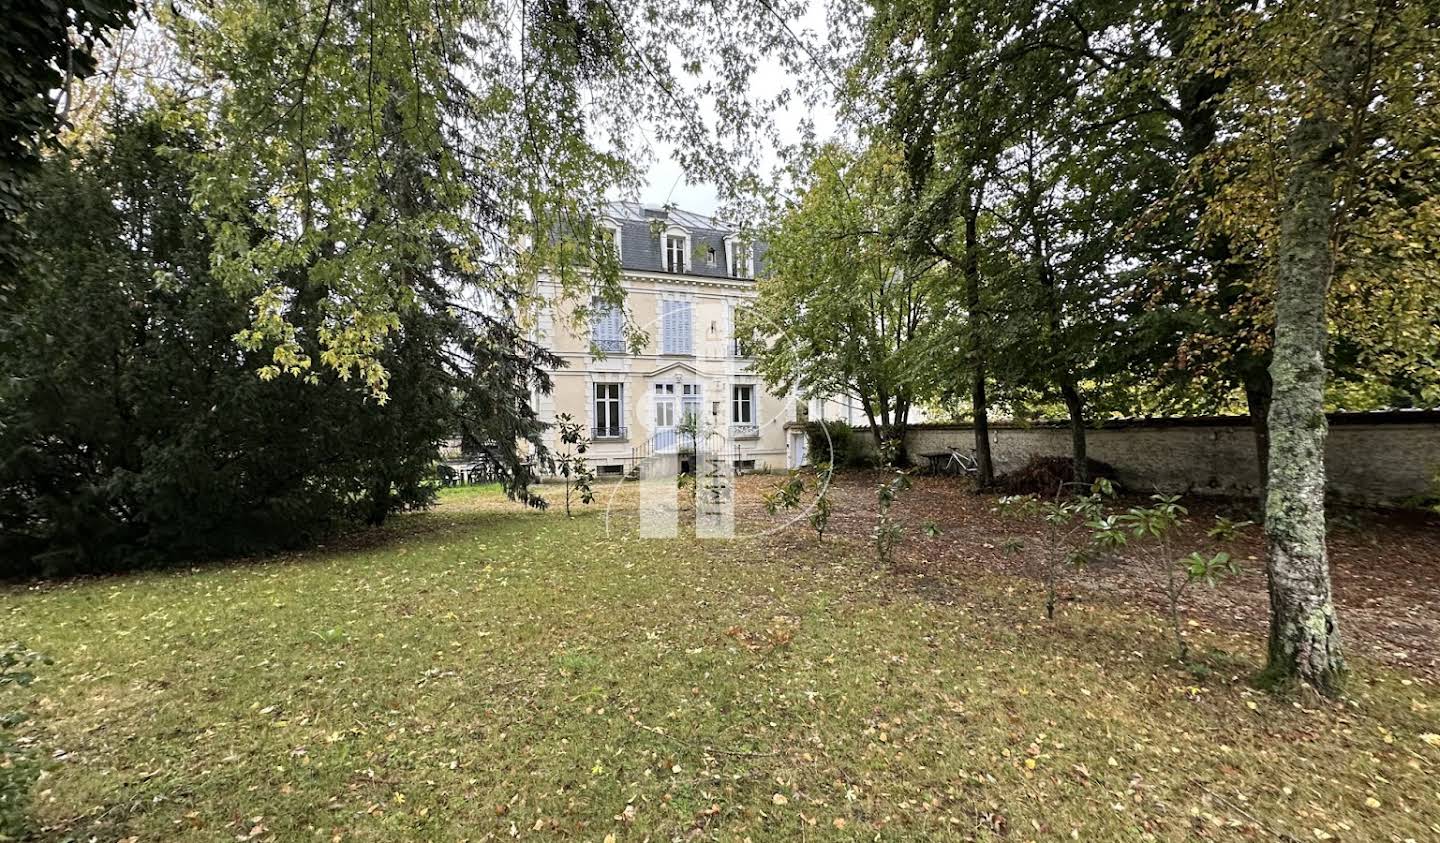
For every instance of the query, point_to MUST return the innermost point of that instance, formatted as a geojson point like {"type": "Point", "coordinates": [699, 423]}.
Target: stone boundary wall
{"type": "Point", "coordinates": [1371, 458]}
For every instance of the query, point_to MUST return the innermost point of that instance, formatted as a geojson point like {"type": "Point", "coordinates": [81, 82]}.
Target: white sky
{"type": "Point", "coordinates": [667, 182]}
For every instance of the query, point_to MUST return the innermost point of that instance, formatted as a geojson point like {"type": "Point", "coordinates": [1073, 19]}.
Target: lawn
{"type": "Point", "coordinates": [480, 672]}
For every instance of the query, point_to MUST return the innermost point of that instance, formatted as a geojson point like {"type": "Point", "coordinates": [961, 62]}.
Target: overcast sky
{"type": "Point", "coordinates": [667, 180]}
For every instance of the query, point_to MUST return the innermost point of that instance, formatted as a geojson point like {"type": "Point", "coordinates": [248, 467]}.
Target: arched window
{"type": "Point", "coordinates": [675, 249]}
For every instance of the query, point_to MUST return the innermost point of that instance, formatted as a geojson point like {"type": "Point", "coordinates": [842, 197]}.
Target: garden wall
{"type": "Point", "coordinates": [1375, 458]}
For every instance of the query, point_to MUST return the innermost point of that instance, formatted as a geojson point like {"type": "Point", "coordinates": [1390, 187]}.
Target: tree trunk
{"type": "Point", "coordinates": [1075, 406]}
{"type": "Point", "coordinates": [379, 502]}
{"type": "Point", "coordinates": [1304, 631]}
{"type": "Point", "coordinates": [1257, 401]}
{"type": "Point", "coordinates": [875, 433]}
{"type": "Point", "coordinates": [899, 429]}
{"type": "Point", "coordinates": [985, 466]}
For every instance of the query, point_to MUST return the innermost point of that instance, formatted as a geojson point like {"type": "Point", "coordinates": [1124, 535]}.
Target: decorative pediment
{"type": "Point", "coordinates": [675, 369]}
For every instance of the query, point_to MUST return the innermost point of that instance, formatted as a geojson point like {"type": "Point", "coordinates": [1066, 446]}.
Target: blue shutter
{"type": "Point", "coordinates": [685, 323]}
{"type": "Point", "coordinates": [612, 327]}
{"type": "Point", "coordinates": [607, 327]}
{"type": "Point", "coordinates": [676, 325]}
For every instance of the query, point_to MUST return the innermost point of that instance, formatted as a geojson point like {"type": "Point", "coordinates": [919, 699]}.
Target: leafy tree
{"type": "Point", "coordinates": [940, 101]}
{"type": "Point", "coordinates": [526, 113]}
{"type": "Point", "coordinates": [45, 46]}
{"type": "Point", "coordinates": [841, 310]}
{"type": "Point", "coordinates": [133, 430]}
{"type": "Point", "coordinates": [1331, 155]}
{"type": "Point", "coordinates": [1015, 182]}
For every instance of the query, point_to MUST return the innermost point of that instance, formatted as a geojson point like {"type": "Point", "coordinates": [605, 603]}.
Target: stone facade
{"type": "Point", "coordinates": [633, 402]}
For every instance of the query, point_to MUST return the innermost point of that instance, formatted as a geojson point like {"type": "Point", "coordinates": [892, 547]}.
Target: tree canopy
{"type": "Point", "coordinates": [843, 310]}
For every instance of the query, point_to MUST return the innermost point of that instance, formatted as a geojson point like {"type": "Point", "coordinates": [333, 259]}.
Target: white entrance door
{"type": "Point", "coordinates": [664, 400]}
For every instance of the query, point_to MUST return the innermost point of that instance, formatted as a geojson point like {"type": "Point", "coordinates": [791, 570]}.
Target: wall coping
{"type": "Point", "coordinates": [1383, 417]}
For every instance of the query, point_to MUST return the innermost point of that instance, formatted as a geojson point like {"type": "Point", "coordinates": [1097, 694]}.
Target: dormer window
{"type": "Point", "coordinates": [677, 250]}
{"type": "Point", "coordinates": [740, 258]}
{"type": "Point", "coordinates": [674, 253]}
{"type": "Point", "coordinates": [612, 230]}
{"type": "Point", "coordinates": [710, 257]}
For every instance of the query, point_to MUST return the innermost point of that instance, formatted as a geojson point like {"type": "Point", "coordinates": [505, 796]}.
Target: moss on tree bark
{"type": "Point", "coordinates": [1304, 631]}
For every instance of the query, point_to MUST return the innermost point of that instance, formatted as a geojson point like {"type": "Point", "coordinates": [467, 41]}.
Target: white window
{"type": "Point", "coordinates": [664, 405]}
{"type": "Point", "coordinates": [676, 327]}
{"type": "Point", "coordinates": [743, 405]}
{"type": "Point", "coordinates": [611, 230]}
{"type": "Point", "coordinates": [609, 411]}
{"type": "Point", "coordinates": [690, 403]}
{"type": "Point", "coordinates": [607, 327]}
{"type": "Point", "coordinates": [710, 257]}
{"type": "Point", "coordinates": [740, 266]}
{"type": "Point", "coordinates": [675, 252]}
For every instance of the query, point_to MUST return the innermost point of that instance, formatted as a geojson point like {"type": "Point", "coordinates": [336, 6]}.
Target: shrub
{"type": "Point", "coordinates": [820, 512]}
{"type": "Point", "coordinates": [1148, 531]}
{"type": "Point", "coordinates": [787, 495]}
{"type": "Point", "coordinates": [135, 430]}
{"type": "Point", "coordinates": [572, 464]}
{"type": "Point", "coordinates": [1068, 536]}
{"type": "Point", "coordinates": [887, 532]}
{"type": "Point", "coordinates": [836, 439]}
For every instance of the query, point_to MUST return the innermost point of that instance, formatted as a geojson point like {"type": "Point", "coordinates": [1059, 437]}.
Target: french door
{"type": "Point", "coordinates": [677, 408]}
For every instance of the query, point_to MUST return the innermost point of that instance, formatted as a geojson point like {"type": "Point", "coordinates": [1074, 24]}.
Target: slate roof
{"type": "Point", "coordinates": [642, 230]}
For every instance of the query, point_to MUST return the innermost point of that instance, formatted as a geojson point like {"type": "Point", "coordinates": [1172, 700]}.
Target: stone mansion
{"type": "Point", "coordinates": [688, 399]}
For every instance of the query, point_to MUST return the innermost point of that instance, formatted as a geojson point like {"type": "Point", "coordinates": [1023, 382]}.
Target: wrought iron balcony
{"type": "Point", "coordinates": [744, 431]}
{"type": "Point", "coordinates": [609, 346]}
{"type": "Point", "coordinates": [608, 432]}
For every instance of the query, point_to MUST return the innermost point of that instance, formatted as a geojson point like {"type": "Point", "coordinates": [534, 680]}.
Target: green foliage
{"type": "Point", "coordinates": [44, 46]}
{"type": "Point", "coordinates": [572, 464]}
{"type": "Point", "coordinates": [789, 493]}
{"type": "Point", "coordinates": [785, 495]}
{"type": "Point", "coordinates": [134, 432]}
{"type": "Point", "coordinates": [842, 310]}
{"type": "Point", "coordinates": [1148, 533]}
{"type": "Point", "coordinates": [821, 508]}
{"type": "Point", "coordinates": [1385, 109]}
{"type": "Point", "coordinates": [887, 533]}
{"type": "Point", "coordinates": [524, 113]}
{"type": "Point", "coordinates": [18, 766]}
{"type": "Point", "coordinates": [1070, 534]}
{"type": "Point", "coordinates": [836, 439]}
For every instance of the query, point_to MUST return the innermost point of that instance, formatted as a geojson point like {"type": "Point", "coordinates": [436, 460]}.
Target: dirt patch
{"type": "Point", "coordinates": [1385, 565]}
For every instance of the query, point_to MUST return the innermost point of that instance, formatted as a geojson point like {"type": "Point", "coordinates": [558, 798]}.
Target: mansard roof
{"type": "Point", "coordinates": [642, 233]}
